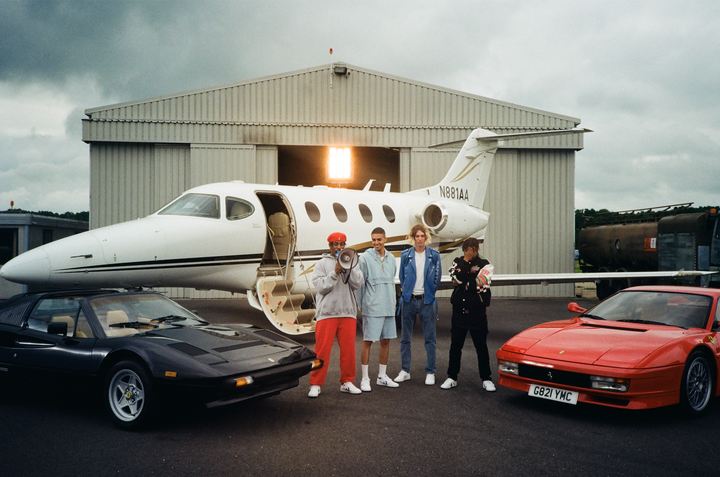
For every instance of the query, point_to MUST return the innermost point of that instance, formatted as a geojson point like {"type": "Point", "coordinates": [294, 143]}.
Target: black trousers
{"type": "Point", "coordinates": [479, 337]}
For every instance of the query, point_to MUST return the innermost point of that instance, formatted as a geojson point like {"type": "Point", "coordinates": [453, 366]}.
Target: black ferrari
{"type": "Point", "coordinates": [144, 348]}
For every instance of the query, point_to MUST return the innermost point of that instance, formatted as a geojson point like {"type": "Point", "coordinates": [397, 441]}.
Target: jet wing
{"type": "Point", "coordinates": [551, 278]}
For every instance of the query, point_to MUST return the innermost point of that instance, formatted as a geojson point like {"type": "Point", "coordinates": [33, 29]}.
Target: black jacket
{"type": "Point", "coordinates": [467, 299]}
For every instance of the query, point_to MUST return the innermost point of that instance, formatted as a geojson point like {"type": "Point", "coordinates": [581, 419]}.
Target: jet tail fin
{"type": "Point", "coordinates": [468, 177]}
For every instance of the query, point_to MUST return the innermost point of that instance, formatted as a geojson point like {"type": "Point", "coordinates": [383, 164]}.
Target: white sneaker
{"type": "Point", "coordinates": [448, 384]}
{"type": "Point", "coordinates": [365, 385]}
{"type": "Point", "coordinates": [403, 376]}
{"type": "Point", "coordinates": [430, 379]}
{"type": "Point", "coordinates": [386, 381]}
{"type": "Point", "coordinates": [314, 391]}
{"type": "Point", "coordinates": [488, 386]}
{"type": "Point", "coordinates": [349, 387]}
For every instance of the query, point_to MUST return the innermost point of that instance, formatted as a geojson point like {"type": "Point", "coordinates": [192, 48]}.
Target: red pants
{"type": "Point", "coordinates": [325, 332]}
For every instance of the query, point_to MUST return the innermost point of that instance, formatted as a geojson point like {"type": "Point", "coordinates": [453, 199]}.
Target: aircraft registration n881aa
{"type": "Point", "coordinates": [264, 240]}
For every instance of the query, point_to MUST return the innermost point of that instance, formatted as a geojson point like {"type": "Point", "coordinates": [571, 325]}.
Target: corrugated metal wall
{"type": "Point", "coordinates": [125, 172]}
{"type": "Point", "coordinates": [365, 108]}
{"type": "Point", "coordinates": [145, 153]}
{"type": "Point", "coordinates": [531, 199]}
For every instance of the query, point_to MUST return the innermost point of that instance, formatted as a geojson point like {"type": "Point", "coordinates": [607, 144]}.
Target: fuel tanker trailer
{"type": "Point", "coordinates": [678, 242]}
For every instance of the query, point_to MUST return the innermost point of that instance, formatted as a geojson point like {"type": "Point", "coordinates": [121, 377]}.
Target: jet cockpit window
{"type": "Point", "coordinates": [340, 212]}
{"type": "Point", "coordinates": [312, 211]}
{"type": "Point", "coordinates": [195, 205]}
{"type": "Point", "coordinates": [389, 213]}
{"type": "Point", "coordinates": [237, 209]}
{"type": "Point", "coordinates": [365, 212]}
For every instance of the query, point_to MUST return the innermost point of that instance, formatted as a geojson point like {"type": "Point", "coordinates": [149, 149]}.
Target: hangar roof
{"type": "Point", "coordinates": [317, 106]}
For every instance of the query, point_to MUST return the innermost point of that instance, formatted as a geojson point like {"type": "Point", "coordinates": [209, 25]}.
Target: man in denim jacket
{"type": "Point", "coordinates": [420, 273]}
{"type": "Point", "coordinates": [376, 299]}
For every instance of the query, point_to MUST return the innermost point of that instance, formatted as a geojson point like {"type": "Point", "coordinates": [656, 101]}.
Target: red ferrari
{"type": "Point", "coordinates": [641, 348]}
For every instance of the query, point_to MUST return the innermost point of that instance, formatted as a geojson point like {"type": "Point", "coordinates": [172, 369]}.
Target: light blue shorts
{"type": "Point", "coordinates": [376, 328]}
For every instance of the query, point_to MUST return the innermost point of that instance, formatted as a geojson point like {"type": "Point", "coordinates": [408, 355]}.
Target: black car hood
{"type": "Point", "coordinates": [219, 344]}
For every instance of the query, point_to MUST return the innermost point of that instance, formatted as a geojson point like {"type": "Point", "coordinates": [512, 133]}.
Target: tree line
{"type": "Point", "coordinates": [81, 216]}
{"type": "Point", "coordinates": [591, 217]}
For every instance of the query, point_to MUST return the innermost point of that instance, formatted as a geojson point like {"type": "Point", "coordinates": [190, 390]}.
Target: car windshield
{"type": "Point", "coordinates": [684, 310]}
{"type": "Point", "coordinates": [120, 315]}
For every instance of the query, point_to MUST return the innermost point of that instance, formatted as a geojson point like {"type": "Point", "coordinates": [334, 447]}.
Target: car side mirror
{"type": "Point", "coordinates": [575, 308]}
{"type": "Point", "coordinates": [58, 328]}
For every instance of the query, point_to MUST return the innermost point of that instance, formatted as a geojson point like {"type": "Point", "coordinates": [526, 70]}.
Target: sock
{"type": "Point", "coordinates": [365, 372]}
{"type": "Point", "coordinates": [383, 370]}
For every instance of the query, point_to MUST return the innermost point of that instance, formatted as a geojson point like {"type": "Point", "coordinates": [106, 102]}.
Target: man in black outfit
{"type": "Point", "coordinates": [471, 276]}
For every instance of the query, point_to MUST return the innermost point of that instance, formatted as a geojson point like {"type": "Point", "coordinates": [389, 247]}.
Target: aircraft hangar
{"type": "Point", "coordinates": [278, 128]}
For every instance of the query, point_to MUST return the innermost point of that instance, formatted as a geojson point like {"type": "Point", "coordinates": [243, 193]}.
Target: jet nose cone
{"type": "Point", "coordinates": [31, 267]}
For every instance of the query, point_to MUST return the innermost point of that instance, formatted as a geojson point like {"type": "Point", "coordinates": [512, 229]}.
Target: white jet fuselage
{"type": "Point", "coordinates": [170, 250]}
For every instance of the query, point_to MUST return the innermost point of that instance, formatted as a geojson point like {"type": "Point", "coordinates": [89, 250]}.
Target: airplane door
{"type": "Point", "coordinates": [281, 237]}
{"type": "Point", "coordinates": [273, 292]}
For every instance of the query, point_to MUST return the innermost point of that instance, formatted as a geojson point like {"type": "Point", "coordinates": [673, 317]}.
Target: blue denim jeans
{"type": "Point", "coordinates": [427, 321]}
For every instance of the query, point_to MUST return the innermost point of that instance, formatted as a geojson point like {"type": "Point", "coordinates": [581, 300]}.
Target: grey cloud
{"type": "Point", "coordinates": [643, 75]}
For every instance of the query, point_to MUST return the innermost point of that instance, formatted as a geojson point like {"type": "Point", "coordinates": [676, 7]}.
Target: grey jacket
{"type": "Point", "coordinates": [335, 299]}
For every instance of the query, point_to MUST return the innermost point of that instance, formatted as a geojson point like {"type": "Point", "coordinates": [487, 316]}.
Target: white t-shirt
{"type": "Point", "coordinates": [419, 288]}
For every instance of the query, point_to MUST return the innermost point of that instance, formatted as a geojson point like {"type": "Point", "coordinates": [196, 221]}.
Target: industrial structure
{"type": "Point", "coordinates": [22, 232]}
{"type": "Point", "coordinates": [279, 128]}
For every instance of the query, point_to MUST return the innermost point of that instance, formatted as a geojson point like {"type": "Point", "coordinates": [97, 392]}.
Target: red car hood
{"type": "Point", "coordinates": [606, 344]}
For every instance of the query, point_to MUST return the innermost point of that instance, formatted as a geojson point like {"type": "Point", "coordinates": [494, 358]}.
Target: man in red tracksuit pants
{"type": "Point", "coordinates": [336, 315]}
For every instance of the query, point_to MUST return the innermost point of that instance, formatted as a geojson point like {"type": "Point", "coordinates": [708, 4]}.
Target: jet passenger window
{"type": "Point", "coordinates": [195, 205]}
{"type": "Point", "coordinates": [389, 213]}
{"type": "Point", "coordinates": [340, 212]}
{"type": "Point", "coordinates": [312, 211]}
{"type": "Point", "coordinates": [365, 212]}
{"type": "Point", "coordinates": [237, 209]}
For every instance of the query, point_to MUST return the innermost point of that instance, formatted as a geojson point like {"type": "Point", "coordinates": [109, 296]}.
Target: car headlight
{"type": "Point", "coordinates": [244, 381]}
{"type": "Point", "coordinates": [508, 367]}
{"type": "Point", "coordinates": [603, 383]}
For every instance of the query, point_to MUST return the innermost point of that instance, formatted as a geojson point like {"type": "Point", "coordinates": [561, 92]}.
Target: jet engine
{"type": "Point", "coordinates": [450, 220]}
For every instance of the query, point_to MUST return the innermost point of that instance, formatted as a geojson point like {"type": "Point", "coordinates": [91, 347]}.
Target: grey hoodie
{"type": "Point", "coordinates": [335, 299]}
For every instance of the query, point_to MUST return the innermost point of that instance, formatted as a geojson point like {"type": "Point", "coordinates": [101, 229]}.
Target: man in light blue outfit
{"type": "Point", "coordinates": [376, 299]}
{"type": "Point", "coordinates": [420, 273]}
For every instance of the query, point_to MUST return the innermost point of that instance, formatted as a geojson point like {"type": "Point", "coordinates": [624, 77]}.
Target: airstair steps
{"type": "Point", "coordinates": [282, 307]}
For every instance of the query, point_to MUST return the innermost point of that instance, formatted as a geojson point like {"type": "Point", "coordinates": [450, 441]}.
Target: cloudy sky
{"type": "Point", "coordinates": [644, 75]}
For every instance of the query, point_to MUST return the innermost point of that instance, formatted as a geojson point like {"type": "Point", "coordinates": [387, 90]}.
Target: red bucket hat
{"type": "Point", "coordinates": [337, 237]}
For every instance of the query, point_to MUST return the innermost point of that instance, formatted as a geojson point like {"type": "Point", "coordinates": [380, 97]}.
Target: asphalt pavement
{"type": "Point", "coordinates": [413, 430]}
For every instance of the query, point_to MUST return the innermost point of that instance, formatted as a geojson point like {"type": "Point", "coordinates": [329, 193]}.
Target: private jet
{"type": "Point", "coordinates": [263, 240]}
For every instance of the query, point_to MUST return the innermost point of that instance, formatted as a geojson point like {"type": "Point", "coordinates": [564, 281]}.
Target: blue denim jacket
{"type": "Point", "coordinates": [433, 273]}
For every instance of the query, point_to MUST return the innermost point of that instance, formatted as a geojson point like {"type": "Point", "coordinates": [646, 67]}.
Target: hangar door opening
{"type": "Point", "coordinates": [307, 166]}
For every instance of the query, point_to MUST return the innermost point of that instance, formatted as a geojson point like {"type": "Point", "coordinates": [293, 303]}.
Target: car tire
{"type": "Point", "coordinates": [697, 385]}
{"type": "Point", "coordinates": [129, 395]}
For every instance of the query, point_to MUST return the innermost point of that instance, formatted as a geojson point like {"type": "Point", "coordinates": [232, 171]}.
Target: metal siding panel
{"type": "Point", "coordinates": [171, 171]}
{"type": "Point", "coordinates": [429, 166]}
{"type": "Point", "coordinates": [546, 235]}
{"type": "Point", "coordinates": [121, 179]}
{"type": "Point", "coordinates": [502, 239]}
{"type": "Point", "coordinates": [219, 163]}
{"type": "Point", "coordinates": [266, 168]}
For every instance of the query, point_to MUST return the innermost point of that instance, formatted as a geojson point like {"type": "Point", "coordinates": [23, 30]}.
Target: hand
{"type": "Point", "coordinates": [339, 269]}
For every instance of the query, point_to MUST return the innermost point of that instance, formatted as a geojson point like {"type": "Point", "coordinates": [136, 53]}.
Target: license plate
{"type": "Point", "coordinates": [553, 394]}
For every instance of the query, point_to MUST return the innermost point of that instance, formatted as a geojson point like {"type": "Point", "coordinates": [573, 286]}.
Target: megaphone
{"type": "Point", "coordinates": [347, 258]}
